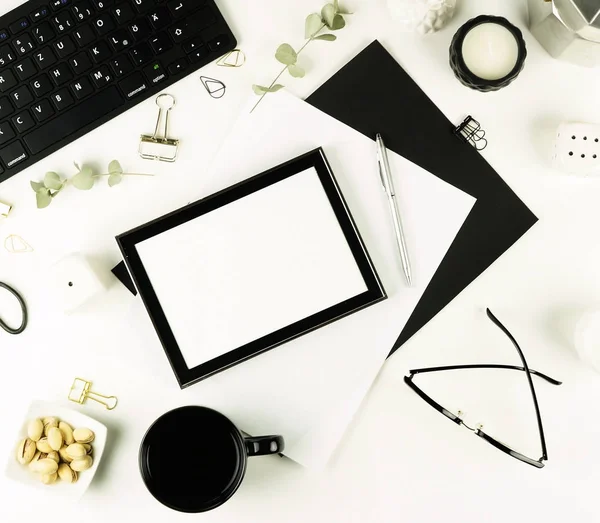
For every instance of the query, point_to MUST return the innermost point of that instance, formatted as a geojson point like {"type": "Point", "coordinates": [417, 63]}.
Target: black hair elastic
{"type": "Point", "coordinates": [20, 329]}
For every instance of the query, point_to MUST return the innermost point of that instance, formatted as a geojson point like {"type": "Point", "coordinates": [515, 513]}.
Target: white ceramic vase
{"type": "Point", "coordinates": [423, 16]}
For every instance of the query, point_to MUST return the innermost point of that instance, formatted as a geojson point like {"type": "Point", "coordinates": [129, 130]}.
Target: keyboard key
{"type": "Point", "coordinates": [199, 54]}
{"type": "Point", "coordinates": [178, 66]}
{"type": "Point", "coordinates": [41, 86]}
{"type": "Point", "coordinates": [143, 5]}
{"type": "Point", "coordinates": [123, 13]}
{"type": "Point", "coordinates": [7, 80]}
{"type": "Point", "coordinates": [80, 63]}
{"type": "Point", "coordinates": [26, 69]}
{"type": "Point", "coordinates": [21, 97]}
{"type": "Point", "coordinates": [42, 110]}
{"type": "Point", "coordinates": [18, 26]}
{"type": "Point", "coordinates": [73, 120]}
{"type": "Point", "coordinates": [82, 88]}
{"type": "Point", "coordinates": [6, 133]}
{"type": "Point", "coordinates": [192, 25]}
{"type": "Point", "coordinates": [102, 4]}
{"type": "Point", "coordinates": [57, 4]}
{"type": "Point", "coordinates": [39, 14]}
{"type": "Point", "coordinates": [43, 33]}
{"type": "Point", "coordinates": [82, 11]}
{"type": "Point", "coordinates": [101, 76]}
{"type": "Point", "coordinates": [160, 43]}
{"type": "Point", "coordinates": [160, 17]}
{"type": "Point", "coordinates": [100, 52]}
{"type": "Point", "coordinates": [61, 99]}
{"type": "Point", "coordinates": [84, 35]}
{"type": "Point", "coordinates": [140, 29]}
{"type": "Point", "coordinates": [192, 44]}
{"type": "Point", "coordinates": [120, 40]}
{"type": "Point", "coordinates": [63, 21]}
{"type": "Point", "coordinates": [217, 44]}
{"type": "Point", "coordinates": [121, 65]}
{"type": "Point", "coordinates": [44, 57]}
{"type": "Point", "coordinates": [3, 35]}
{"type": "Point", "coordinates": [181, 8]}
{"type": "Point", "coordinates": [134, 85]}
{"type": "Point", "coordinates": [13, 154]}
{"type": "Point", "coordinates": [155, 73]}
{"type": "Point", "coordinates": [104, 24]}
{"type": "Point", "coordinates": [23, 44]}
{"type": "Point", "coordinates": [65, 46]}
{"type": "Point", "coordinates": [141, 54]}
{"type": "Point", "coordinates": [22, 122]}
{"type": "Point", "coordinates": [6, 107]}
{"type": "Point", "coordinates": [61, 74]}
{"type": "Point", "coordinates": [7, 55]}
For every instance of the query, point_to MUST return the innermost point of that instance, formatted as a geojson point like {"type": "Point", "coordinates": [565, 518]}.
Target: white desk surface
{"type": "Point", "coordinates": [400, 461]}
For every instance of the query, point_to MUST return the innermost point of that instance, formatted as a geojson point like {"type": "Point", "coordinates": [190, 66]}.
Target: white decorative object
{"type": "Point", "coordinates": [424, 16]}
{"type": "Point", "coordinates": [587, 339]}
{"type": "Point", "coordinates": [73, 282]}
{"type": "Point", "coordinates": [577, 148]}
{"type": "Point", "coordinates": [490, 51]}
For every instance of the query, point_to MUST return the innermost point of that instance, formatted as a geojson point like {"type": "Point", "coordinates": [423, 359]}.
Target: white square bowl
{"type": "Point", "coordinates": [22, 474]}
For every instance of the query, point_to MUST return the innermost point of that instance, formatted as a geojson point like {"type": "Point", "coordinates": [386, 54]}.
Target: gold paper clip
{"type": "Point", "coordinates": [80, 392]}
{"type": "Point", "coordinates": [156, 147]}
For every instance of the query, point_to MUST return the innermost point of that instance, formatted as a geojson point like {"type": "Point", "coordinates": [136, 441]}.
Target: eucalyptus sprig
{"type": "Point", "coordinates": [84, 180]}
{"type": "Point", "coordinates": [331, 18]}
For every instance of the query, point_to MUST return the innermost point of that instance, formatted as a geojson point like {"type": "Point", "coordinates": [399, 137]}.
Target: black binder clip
{"type": "Point", "coordinates": [470, 131]}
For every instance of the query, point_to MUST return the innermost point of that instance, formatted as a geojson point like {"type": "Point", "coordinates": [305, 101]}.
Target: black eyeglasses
{"type": "Point", "coordinates": [539, 463]}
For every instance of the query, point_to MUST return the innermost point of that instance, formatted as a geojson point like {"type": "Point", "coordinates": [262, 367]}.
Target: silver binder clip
{"type": "Point", "coordinates": [159, 146]}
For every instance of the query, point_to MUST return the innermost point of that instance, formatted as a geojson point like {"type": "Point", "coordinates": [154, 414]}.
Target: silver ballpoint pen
{"type": "Point", "coordinates": [385, 172]}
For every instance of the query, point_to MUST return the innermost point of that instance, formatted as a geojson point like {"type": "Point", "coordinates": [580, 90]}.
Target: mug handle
{"type": "Point", "coordinates": [264, 445]}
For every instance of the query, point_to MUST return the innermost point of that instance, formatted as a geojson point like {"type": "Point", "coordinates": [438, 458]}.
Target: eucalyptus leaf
{"type": "Point", "coordinates": [260, 89]}
{"type": "Point", "coordinates": [115, 179]}
{"type": "Point", "coordinates": [286, 55]}
{"type": "Point", "coordinates": [36, 186]}
{"type": "Point", "coordinates": [340, 10]}
{"type": "Point", "coordinates": [275, 88]}
{"type": "Point", "coordinates": [43, 198]}
{"type": "Point", "coordinates": [84, 179]}
{"type": "Point", "coordinates": [338, 23]}
{"type": "Point", "coordinates": [52, 181]}
{"type": "Point", "coordinates": [326, 38]}
{"type": "Point", "coordinates": [313, 25]}
{"type": "Point", "coordinates": [114, 167]}
{"type": "Point", "coordinates": [328, 14]}
{"type": "Point", "coordinates": [296, 71]}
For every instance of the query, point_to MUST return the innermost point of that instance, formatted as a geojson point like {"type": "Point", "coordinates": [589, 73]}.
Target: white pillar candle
{"type": "Point", "coordinates": [490, 51]}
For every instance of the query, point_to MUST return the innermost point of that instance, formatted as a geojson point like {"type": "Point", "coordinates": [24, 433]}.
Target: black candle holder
{"type": "Point", "coordinates": [464, 74]}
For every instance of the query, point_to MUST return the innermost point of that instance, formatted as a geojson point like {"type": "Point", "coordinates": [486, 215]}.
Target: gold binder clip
{"type": "Point", "coordinates": [80, 392]}
{"type": "Point", "coordinates": [157, 147]}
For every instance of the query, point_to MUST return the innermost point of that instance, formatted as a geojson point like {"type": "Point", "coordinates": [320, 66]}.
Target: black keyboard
{"type": "Point", "coordinates": [68, 66]}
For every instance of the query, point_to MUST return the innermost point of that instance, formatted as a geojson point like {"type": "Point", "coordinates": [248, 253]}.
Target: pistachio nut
{"type": "Point", "coordinates": [67, 474]}
{"type": "Point", "coordinates": [67, 432]}
{"type": "Point", "coordinates": [83, 435]}
{"type": "Point", "coordinates": [35, 429]}
{"type": "Point", "coordinates": [55, 438]}
{"type": "Point", "coordinates": [44, 446]}
{"type": "Point", "coordinates": [38, 455]}
{"type": "Point", "coordinates": [49, 422]}
{"type": "Point", "coordinates": [53, 456]}
{"type": "Point", "coordinates": [88, 448]}
{"type": "Point", "coordinates": [79, 465]}
{"type": "Point", "coordinates": [49, 479]}
{"type": "Point", "coordinates": [26, 451]}
{"type": "Point", "coordinates": [76, 451]}
{"type": "Point", "coordinates": [44, 466]}
{"type": "Point", "coordinates": [64, 456]}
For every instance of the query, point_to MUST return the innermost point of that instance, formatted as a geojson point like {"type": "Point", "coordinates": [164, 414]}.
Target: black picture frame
{"type": "Point", "coordinates": [188, 376]}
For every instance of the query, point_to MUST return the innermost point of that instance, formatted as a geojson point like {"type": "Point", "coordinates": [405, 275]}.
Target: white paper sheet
{"type": "Point", "coordinates": [251, 267]}
{"type": "Point", "coordinates": [322, 376]}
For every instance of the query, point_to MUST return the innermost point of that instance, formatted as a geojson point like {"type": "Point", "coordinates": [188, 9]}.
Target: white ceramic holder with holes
{"type": "Point", "coordinates": [73, 282]}
{"type": "Point", "coordinates": [577, 148]}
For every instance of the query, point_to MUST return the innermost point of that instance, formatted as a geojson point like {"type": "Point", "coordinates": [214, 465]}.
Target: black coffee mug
{"type": "Point", "coordinates": [193, 459]}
